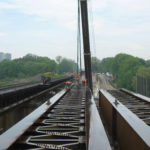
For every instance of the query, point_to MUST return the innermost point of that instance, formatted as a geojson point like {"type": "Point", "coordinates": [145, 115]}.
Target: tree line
{"type": "Point", "coordinates": [31, 65]}
{"type": "Point", "coordinates": [124, 68]}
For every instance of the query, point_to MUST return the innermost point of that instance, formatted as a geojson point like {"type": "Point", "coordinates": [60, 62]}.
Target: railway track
{"type": "Point", "coordinates": [19, 85]}
{"type": "Point", "coordinates": [135, 104]}
{"type": "Point", "coordinates": [127, 116]}
{"type": "Point", "coordinates": [68, 121]}
{"type": "Point", "coordinates": [11, 96]}
{"type": "Point", "coordinates": [26, 106]}
{"type": "Point", "coordinates": [61, 128]}
{"type": "Point", "coordinates": [10, 88]}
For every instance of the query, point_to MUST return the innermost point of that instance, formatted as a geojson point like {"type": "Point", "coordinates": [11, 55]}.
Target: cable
{"type": "Point", "coordinates": [79, 59]}
{"type": "Point", "coordinates": [77, 39]}
{"type": "Point", "coordinates": [93, 33]}
{"type": "Point", "coordinates": [79, 30]}
{"type": "Point", "coordinates": [92, 26]}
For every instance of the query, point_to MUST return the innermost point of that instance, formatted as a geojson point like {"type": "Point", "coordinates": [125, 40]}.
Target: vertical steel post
{"type": "Point", "coordinates": [86, 43]}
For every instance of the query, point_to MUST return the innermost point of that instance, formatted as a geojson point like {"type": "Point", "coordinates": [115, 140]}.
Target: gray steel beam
{"type": "Point", "coordinates": [86, 42]}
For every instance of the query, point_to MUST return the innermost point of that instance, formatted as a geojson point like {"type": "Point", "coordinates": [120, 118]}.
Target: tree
{"type": "Point", "coordinates": [31, 65]}
{"type": "Point", "coordinates": [124, 68]}
{"type": "Point", "coordinates": [67, 65]}
{"type": "Point", "coordinates": [95, 62]}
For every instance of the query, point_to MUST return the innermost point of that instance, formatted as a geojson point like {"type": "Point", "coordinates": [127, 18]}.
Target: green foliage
{"type": "Point", "coordinates": [95, 63]}
{"type": "Point", "coordinates": [124, 69]}
{"type": "Point", "coordinates": [144, 72]}
{"type": "Point", "coordinates": [107, 64]}
{"type": "Point", "coordinates": [31, 65]}
{"type": "Point", "coordinates": [67, 65]}
{"type": "Point", "coordinates": [148, 62]}
{"type": "Point", "coordinates": [53, 75]}
{"type": "Point", "coordinates": [127, 67]}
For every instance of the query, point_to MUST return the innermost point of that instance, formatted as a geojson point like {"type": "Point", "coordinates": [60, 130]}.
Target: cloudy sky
{"type": "Point", "coordinates": [48, 27]}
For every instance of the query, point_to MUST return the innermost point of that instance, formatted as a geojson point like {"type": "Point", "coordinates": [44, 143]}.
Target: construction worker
{"type": "Point", "coordinates": [84, 82]}
{"type": "Point", "coordinates": [68, 84]}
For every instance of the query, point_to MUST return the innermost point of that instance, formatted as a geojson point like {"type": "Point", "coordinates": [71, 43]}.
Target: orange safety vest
{"type": "Point", "coordinates": [68, 82]}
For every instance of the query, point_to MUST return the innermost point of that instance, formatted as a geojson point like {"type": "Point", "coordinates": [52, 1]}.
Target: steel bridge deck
{"type": "Point", "coordinates": [69, 122]}
{"type": "Point", "coordinates": [60, 128]}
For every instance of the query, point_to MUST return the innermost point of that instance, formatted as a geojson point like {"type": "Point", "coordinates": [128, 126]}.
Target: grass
{"type": "Point", "coordinates": [10, 81]}
{"type": "Point", "coordinates": [53, 75]}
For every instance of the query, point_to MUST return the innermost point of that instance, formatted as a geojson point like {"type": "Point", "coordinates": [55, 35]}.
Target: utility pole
{"type": "Point", "coordinates": [86, 43]}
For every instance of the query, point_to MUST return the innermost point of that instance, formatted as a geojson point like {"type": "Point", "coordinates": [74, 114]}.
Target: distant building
{"type": "Point", "coordinates": [5, 56]}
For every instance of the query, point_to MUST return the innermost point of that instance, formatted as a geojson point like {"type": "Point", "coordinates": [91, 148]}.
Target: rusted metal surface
{"type": "Point", "coordinates": [62, 127]}
{"type": "Point", "coordinates": [132, 129]}
{"type": "Point", "coordinates": [14, 96]}
{"type": "Point", "coordinates": [18, 87]}
{"type": "Point", "coordinates": [11, 135]}
{"type": "Point", "coordinates": [70, 123]}
{"type": "Point", "coordinates": [3, 109]}
{"type": "Point", "coordinates": [138, 106]}
{"type": "Point", "coordinates": [106, 109]}
{"type": "Point", "coordinates": [10, 89]}
{"type": "Point", "coordinates": [142, 97]}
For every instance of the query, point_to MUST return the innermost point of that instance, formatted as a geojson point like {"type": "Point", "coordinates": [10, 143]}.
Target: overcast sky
{"type": "Point", "coordinates": [48, 27]}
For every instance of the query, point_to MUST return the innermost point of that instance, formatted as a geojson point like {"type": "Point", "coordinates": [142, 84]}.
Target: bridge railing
{"type": "Point", "coordinates": [123, 125]}
{"type": "Point", "coordinates": [98, 139]}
